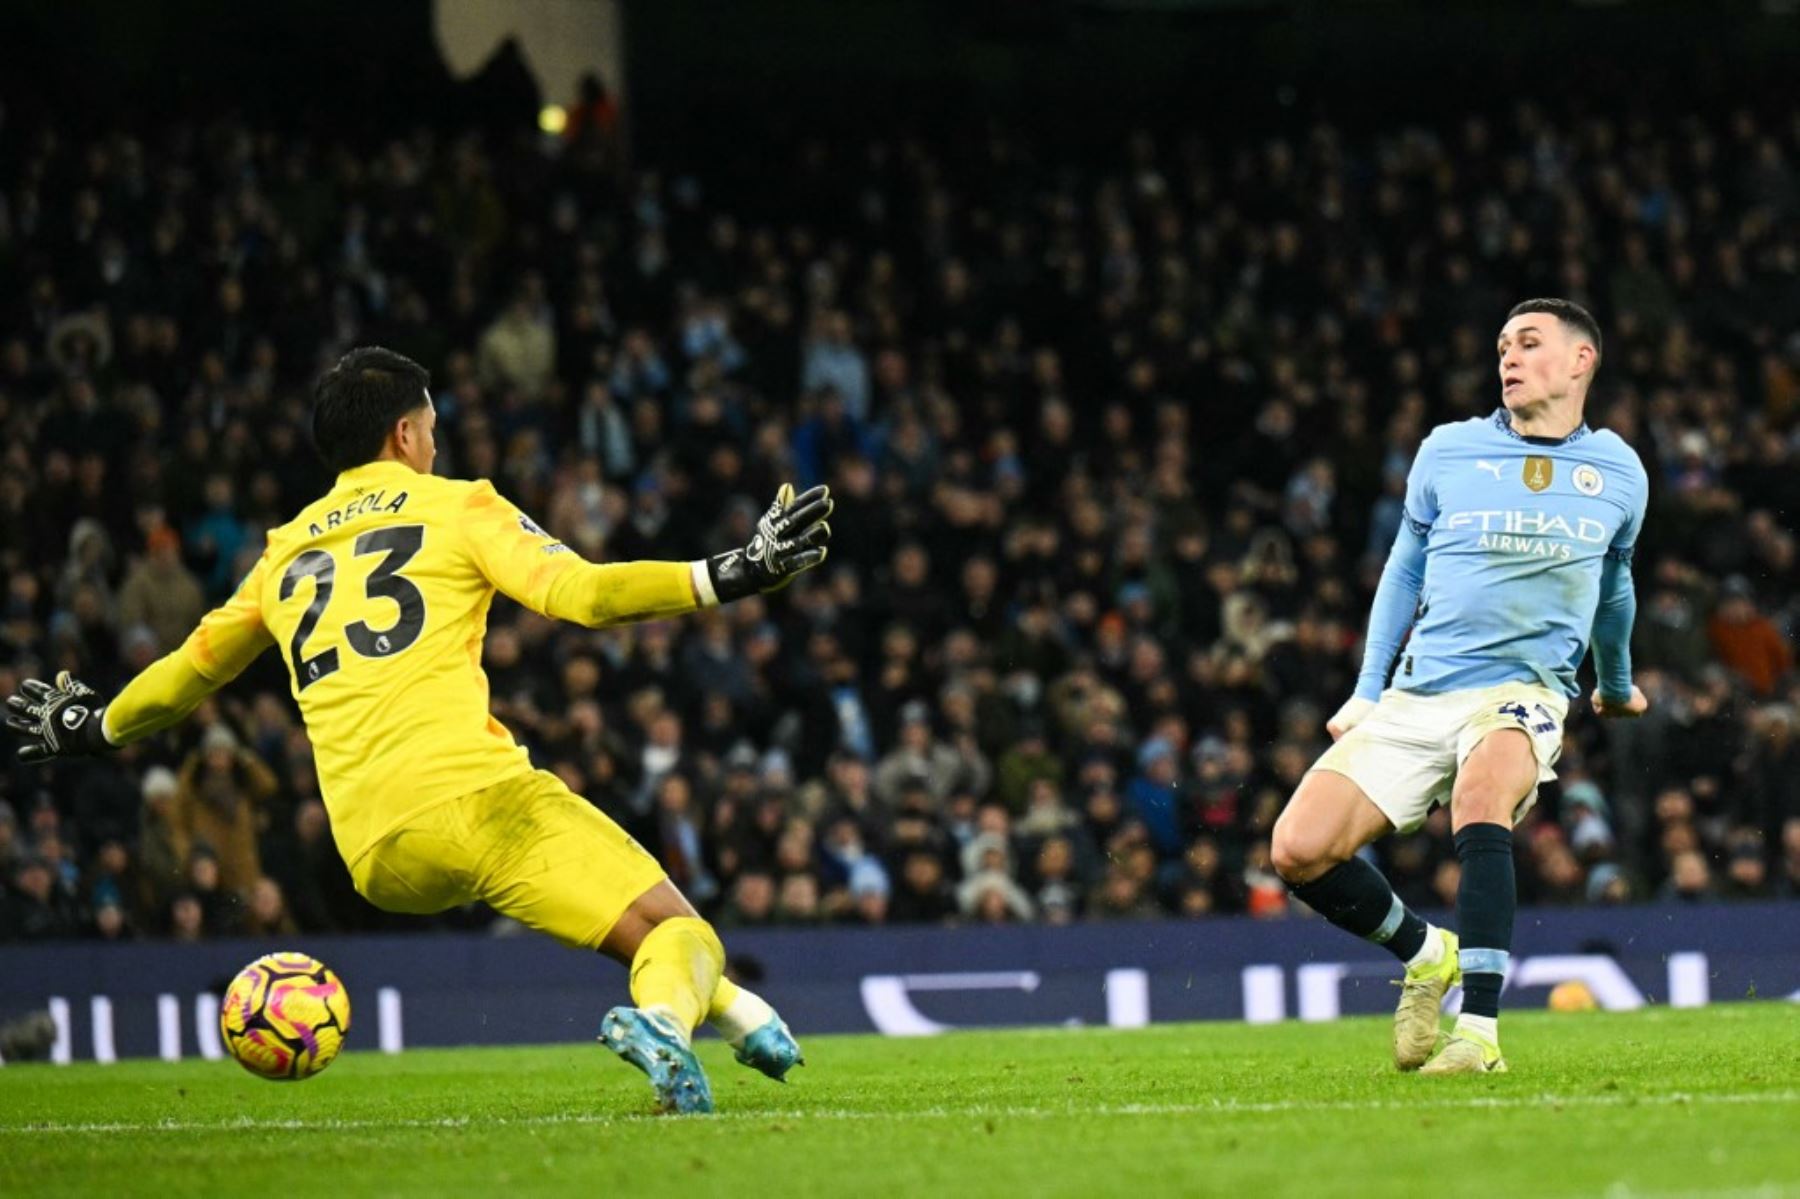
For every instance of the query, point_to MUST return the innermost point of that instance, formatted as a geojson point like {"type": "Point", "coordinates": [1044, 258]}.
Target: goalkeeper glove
{"type": "Point", "coordinates": [790, 538]}
{"type": "Point", "coordinates": [57, 721]}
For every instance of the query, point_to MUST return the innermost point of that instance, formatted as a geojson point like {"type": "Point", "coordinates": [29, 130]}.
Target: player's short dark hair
{"type": "Point", "coordinates": [357, 402]}
{"type": "Point", "coordinates": [1569, 313]}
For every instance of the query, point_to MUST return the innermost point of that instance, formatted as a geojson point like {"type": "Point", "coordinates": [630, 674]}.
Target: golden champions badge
{"type": "Point", "coordinates": [1538, 472]}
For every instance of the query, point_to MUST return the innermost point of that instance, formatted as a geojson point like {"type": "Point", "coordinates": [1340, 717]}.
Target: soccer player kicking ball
{"type": "Point", "coordinates": [1514, 552]}
{"type": "Point", "coordinates": [377, 595]}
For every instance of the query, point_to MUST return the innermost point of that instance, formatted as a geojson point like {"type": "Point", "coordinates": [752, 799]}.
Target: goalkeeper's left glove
{"type": "Point", "coordinates": [790, 538]}
{"type": "Point", "coordinates": [58, 720]}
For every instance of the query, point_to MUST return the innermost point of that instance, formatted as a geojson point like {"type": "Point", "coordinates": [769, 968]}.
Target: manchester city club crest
{"type": "Point", "coordinates": [1538, 472]}
{"type": "Point", "coordinates": [1588, 480]}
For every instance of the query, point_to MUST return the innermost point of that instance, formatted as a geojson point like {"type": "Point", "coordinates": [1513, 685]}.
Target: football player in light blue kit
{"type": "Point", "coordinates": [1514, 555]}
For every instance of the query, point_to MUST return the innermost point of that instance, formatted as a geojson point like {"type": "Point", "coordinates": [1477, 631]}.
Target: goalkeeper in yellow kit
{"type": "Point", "coordinates": [377, 596]}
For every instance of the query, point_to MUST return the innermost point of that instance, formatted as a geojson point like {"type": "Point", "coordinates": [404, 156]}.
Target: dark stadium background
{"type": "Point", "coordinates": [768, 113]}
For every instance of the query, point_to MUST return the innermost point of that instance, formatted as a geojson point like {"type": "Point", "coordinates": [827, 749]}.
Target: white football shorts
{"type": "Point", "coordinates": [1406, 753]}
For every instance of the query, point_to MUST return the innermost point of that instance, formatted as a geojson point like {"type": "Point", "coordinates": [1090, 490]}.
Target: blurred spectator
{"type": "Point", "coordinates": [266, 915]}
{"type": "Point", "coordinates": [1690, 878]}
{"type": "Point", "coordinates": [1789, 882]}
{"type": "Point", "coordinates": [187, 918]}
{"type": "Point", "coordinates": [162, 846]}
{"type": "Point", "coordinates": [988, 893]}
{"type": "Point", "coordinates": [220, 806]}
{"type": "Point", "coordinates": [297, 860]}
{"type": "Point", "coordinates": [1058, 896]}
{"type": "Point", "coordinates": [1671, 629]}
{"type": "Point", "coordinates": [111, 923]}
{"type": "Point", "coordinates": [217, 536]}
{"type": "Point", "coordinates": [919, 755]}
{"type": "Point", "coordinates": [1027, 761]}
{"type": "Point", "coordinates": [1608, 884]}
{"type": "Point", "coordinates": [221, 910]}
{"type": "Point", "coordinates": [1152, 795]}
{"type": "Point", "coordinates": [1747, 641]}
{"type": "Point", "coordinates": [678, 842]}
{"type": "Point", "coordinates": [111, 878]}
{"type": "Point", "coordinates": [832, 362]}
{"type": "Point", "coordinates": [797, 900]}
{"type": "Point", "coordinates": [518, 351]}
{"type": "Point", "coordinates": [752, 901]}
{"type": "Point", "coordinates": [869, 892]}
{"type": "Point", "coordinates": [1746, 866]}
{"type": "Point", "coordinates": [161, 594]}
{"type": "Point", "coordinates": [924, 894]}
{"type": "Point", "coordinates": [38, 907]}
{"type": "Point", "coordinates": [1121, 895]}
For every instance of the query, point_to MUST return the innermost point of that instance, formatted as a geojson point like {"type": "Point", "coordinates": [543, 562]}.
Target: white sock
{"type": "Point", "coordinates": [747, 1013]}
{"type": "Point", "coordinates": [1431, 952]}
{"type": "Point", "coordinates": [1485, 1027]}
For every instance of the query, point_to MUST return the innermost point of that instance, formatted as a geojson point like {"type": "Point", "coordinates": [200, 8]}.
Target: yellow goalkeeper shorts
{"type": "Point", "coordinates": [527, 846]}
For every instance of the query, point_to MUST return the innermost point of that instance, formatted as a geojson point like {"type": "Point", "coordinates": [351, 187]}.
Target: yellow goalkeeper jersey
{"type": "Point", "coordinates": [377, 597]}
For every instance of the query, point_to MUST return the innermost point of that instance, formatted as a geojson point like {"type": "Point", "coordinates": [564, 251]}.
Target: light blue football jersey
{"type": "Point", "coordinates": [1516, 531]}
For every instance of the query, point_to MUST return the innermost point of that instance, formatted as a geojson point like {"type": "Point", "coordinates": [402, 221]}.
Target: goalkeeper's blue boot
{"type": "Point", "coordinates": [771, 1049]}
{"type": "Point", "coordinates": [654, 1045]}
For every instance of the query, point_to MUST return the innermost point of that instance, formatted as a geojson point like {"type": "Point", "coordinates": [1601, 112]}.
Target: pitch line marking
{"type": "Point", "coordinates": [1474, 1103]}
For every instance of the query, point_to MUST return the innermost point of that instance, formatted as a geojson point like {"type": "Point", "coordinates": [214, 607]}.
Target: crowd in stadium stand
{"type": "Point", "coordinates": [1118, 446]}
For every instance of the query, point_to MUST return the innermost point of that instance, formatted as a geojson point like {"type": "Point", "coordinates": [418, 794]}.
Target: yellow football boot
{"type": "Point", "coordinates": [1466, 1053]}
{"type": "Point", "coordinates": [1416, 1020]}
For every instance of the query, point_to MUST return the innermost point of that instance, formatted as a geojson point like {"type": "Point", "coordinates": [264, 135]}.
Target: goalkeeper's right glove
{"type": "Point", "coordinates": [59, 720]}
{"type": "Point", "coordinates": [790, 538]}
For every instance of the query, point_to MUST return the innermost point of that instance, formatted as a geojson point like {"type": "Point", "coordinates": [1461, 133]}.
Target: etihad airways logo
{"type": "Point", "coordinates": [1520, 531]}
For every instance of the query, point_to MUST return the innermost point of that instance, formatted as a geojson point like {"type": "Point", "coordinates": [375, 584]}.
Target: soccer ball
{"type": "Point", "coordinates": [285, 1017]}
{"type": "Point", "coordinates": [1572, 996]}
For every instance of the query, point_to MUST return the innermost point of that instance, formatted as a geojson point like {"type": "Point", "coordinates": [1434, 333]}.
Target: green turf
{"type": "Point", "coordinates": [1656, 1102]}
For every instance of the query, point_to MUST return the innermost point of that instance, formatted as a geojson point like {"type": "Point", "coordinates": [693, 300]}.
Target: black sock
{"type": "Point", "coordinates": [1354, 896]}
{"type": "Point", "coordinates": [1485, 902]}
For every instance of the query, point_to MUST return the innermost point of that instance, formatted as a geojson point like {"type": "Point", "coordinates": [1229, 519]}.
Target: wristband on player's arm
{"type": "Point", "coordinates": [1356, 709]}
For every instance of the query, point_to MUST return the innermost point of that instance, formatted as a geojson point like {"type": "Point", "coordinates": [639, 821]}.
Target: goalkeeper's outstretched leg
{"type": "Point", "coordinates": [677, 981]}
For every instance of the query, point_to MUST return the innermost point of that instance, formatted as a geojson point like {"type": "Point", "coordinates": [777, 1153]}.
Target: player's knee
{"type": "Point", "coordinates": [709, 936]}
{"type": "Point", "coordinates": [1485, 805]}
{"type": "Point", "coordinates": [1495, 780]}
{"type": "Point", "coordinates": [1298, 854]}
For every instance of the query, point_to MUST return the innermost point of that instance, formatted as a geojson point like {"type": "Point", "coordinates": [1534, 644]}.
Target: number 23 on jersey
{"type": "Point", "coordinates": [386, 584]}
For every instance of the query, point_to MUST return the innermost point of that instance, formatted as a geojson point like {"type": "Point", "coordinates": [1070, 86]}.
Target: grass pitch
{"type": "Point", "coordinates": [1658, 1102]}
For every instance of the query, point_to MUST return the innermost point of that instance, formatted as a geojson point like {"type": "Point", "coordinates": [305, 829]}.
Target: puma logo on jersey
{"type": "Point", "coordinates": [1484, 464]}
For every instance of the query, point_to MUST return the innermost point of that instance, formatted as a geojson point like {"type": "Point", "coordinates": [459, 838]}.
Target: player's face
{"type": "Point", "coordinates": [1539, 360]}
